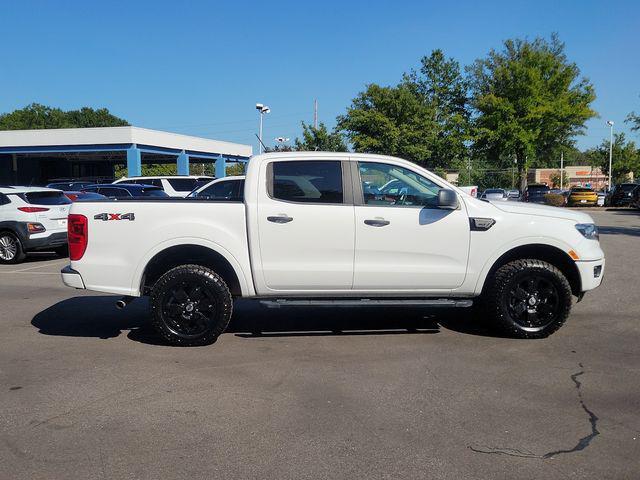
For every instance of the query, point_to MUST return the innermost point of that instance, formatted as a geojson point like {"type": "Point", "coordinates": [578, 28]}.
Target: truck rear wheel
{"type": "Point", "coordinates": [191, 305]}
{"type": "Point", "coordinates": [528, 298]}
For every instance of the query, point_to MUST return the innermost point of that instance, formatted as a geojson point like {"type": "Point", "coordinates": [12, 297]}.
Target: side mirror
{"type": "Point", "coordinates": [447, 199]}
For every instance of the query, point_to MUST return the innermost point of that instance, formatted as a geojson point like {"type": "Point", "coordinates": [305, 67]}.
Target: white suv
{"type": "Point", "coordinates": [174, 186]}
{"type": "Point", "coordinates": [32, 218]}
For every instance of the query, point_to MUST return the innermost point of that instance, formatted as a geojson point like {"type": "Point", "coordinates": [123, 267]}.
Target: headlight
{"type": "Point", "coordinates": [588, 230]}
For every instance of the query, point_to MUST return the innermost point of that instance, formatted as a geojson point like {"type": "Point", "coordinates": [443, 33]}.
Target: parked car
{"type": "Point", "coordinates": [308, 234]}
{"type": "Point", "coordinates": [32, 218]}
{"type": "Point", "coordinates": [582, 197]}
{"type": "Point", "coordinates": [621, 195]}
{"type": "Point", "coordinates": [534, 193]}
{"type": "Point", "coordinates": [69, 186]}
{"type": "Point", "coordinates": [126, 190]}
{"type": "Point", "coordinates": [635, 198]}
{"type": "Point", "coordinates": [173, 185]}
{"type": "Point", "coordinates": [226, 188]}
{"type": "Point", "coordinates": [497, 194]}
{"type": "Point", "coordinates": [513, 194]}
{"type": "Point", "coordinates": [80, 196]}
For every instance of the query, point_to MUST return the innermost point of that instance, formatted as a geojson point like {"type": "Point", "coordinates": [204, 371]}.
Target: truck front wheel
{"type": "Point", "coordinates": [191, 305]}
{"type": "Point", "coordinates": [528, 298]}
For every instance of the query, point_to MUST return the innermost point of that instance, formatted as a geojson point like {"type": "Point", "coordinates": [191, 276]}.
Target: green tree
{"type": "Point", "coordinates": [36, 116]}
{"type": "Point", "coordinates": [558, 179]}
{"type": "Point", "coordinates": [391, 121]}
{"type": "Point", "coordinates": [634, 119]}
{"type": "Point", "coordinates": [528, 99]}
{"type": "Point", "coordinates": [440, 85]}
{"type": "Point", "coordinates": [625, 158]}
{"type": "Point", "coordinates": [320, 139]}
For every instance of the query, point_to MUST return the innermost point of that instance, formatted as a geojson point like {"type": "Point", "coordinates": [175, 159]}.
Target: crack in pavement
{"type": "Point", "coordinates": [582, 442]}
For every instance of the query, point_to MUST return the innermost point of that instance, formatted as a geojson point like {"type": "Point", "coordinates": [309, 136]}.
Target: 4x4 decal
{"type": "Point", "coordinates": [114, 216]}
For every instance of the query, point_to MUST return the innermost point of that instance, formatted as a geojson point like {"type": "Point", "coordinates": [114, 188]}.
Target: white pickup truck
{"type": "Point", "coordinates": [315, 228]}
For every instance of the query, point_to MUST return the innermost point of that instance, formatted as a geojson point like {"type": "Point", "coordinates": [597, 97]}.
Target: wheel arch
{"type": "Point", "coordinates": [192, 253]}
{"type": "Point", "coordinates": [549, 253]}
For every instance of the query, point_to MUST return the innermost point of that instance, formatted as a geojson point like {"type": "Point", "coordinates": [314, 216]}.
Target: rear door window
{"type": "Point", "coordinates": [46, 198]}
{"type": "Point", "coordinates": [307, 182]}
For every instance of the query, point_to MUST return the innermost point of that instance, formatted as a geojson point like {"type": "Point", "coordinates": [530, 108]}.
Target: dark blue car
{"type": "Point", "coordinates": [125, 190]}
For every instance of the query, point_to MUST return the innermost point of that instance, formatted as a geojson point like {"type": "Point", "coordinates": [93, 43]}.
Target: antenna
{"type": "Point", "coordinates": [263, 145]}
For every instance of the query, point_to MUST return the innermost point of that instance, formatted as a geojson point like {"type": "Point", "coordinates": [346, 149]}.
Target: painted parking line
{"type": "Point", "coordinates": [23, 270]}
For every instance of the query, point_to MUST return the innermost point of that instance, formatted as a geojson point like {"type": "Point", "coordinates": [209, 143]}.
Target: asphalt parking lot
{"type": "Point", "coordinates": [87, 391]}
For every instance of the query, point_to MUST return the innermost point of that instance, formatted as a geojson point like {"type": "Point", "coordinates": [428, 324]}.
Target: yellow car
{"type": "Point", "coordinates": [582, 197]}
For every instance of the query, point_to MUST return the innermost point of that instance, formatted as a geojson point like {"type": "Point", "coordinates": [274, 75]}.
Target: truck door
{"type": "Point", "coordinates": [404, 242]}
{"type": "Point", "coordinates": [306, 226]}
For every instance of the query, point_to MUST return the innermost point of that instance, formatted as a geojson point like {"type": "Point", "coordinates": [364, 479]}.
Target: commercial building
{"type": "Point", "coordinates": [33, 157]}
{"type": "Point", "coordinates": [575, 176]}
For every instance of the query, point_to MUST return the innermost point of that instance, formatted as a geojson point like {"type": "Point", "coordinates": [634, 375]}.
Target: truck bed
{"type": "Point", "coordinates": [124, 235]}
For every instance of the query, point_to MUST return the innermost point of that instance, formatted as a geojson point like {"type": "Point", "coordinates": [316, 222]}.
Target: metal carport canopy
{"type": "Point", "coordinates": [133, 140]}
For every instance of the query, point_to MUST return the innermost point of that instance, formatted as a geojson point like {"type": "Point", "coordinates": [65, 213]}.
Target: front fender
{"type": "Point", "coordinates": [505, 248]}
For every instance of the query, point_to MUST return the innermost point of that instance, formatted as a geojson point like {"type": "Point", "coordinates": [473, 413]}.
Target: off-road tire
{"type": "Point", "coordinates": [19, 254]}
{"type": "Point", "coordinates": [500, 291]}
{"type": "Point", "coordinates": [164, 304]}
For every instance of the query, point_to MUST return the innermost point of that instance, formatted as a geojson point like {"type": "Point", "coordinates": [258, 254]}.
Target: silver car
{"type": "Point", "coordinates": [495, 194]}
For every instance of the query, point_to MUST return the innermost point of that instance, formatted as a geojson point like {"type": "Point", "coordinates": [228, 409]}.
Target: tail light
{"type": "Point", "coordinates": [32, 209]}
{"type": "Point", "coordinates": [77, 231]}
{"type": "Point", "coordinates": [35, 228]}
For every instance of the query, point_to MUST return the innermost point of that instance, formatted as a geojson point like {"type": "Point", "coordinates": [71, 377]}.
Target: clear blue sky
{"type": "Point", "coordinates": [199, 67]}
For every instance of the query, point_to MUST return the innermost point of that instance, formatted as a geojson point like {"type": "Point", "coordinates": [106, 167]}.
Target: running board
{"type": "Point", "coordinates": [368, 302]}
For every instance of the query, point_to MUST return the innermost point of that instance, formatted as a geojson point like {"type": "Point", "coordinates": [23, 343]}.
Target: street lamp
{"type": "Point", "coordinates": [610, 123]}
{"type": "Point", "coordinates": [262, 110]}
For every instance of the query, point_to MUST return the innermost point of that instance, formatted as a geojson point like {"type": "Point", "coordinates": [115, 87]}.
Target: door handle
{"type": "Point", "coordinates": [282, 218]}
{"type": "Point", "coordinates": [377, 222]}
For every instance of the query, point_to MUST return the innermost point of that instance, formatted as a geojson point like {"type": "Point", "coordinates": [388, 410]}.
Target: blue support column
{"type": "Point", "coordinates": [221, 167]}
{"type": "Point", "coordinates": [134, 161]}
{"type": "Point", "coordinates": [183, 163]}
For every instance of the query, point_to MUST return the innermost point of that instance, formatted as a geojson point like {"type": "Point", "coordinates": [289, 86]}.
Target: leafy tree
{"type": "Point", "coordinates": [36, 116]}
{"type": "Point", "coordinates": [634, 119]}
{"type": "Point", "coordinates": [528, 100]}
{"type": "Point", "coordinates": [440, 85]}
{"type": "Point", "coordinates": [320, 139]}
{"type": "Point", "coordinates": [625, 158]}
{"type": "Point", "coordinates": [557, 178]}
{"type": "Point", "coordinates": [238, 168]}
{"type": "Point", "coordinates": [390, 120]}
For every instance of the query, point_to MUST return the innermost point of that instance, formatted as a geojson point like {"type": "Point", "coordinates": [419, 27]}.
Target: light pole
{"type": "Point", "coordinates": [610, 123]}
{"type": "Point", "coordinates": [262, 110]}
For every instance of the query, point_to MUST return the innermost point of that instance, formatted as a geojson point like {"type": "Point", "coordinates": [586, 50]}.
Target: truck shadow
{"type": "Point", "coordinates": [97, 317]}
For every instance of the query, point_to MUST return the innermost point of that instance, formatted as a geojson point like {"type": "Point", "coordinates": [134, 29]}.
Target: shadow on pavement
{"type": "Point", "coordinates": [633, 231]}
{"type": "Point", "coordinates": [97, 317]}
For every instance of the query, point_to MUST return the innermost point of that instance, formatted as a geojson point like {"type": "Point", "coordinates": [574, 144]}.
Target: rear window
{"type": "Point", "coordinates": [627, 187]}
{"type": "Point", "coordinates": [46, 198]}
{"type": "Point", "coordinates": [581, 190]}
{"type": "Point", "coordinates": [183, 184]}
{"type": "Point", "coordinates": [538, 188]}
{"type": "Point", "coordinates": [308, 181]}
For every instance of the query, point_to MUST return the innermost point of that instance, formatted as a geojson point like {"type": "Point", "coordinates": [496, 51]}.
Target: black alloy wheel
{"type": "Point", "coordinates": [527, 298]}
{"type": "Point", "coordinates": [191, 305]}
